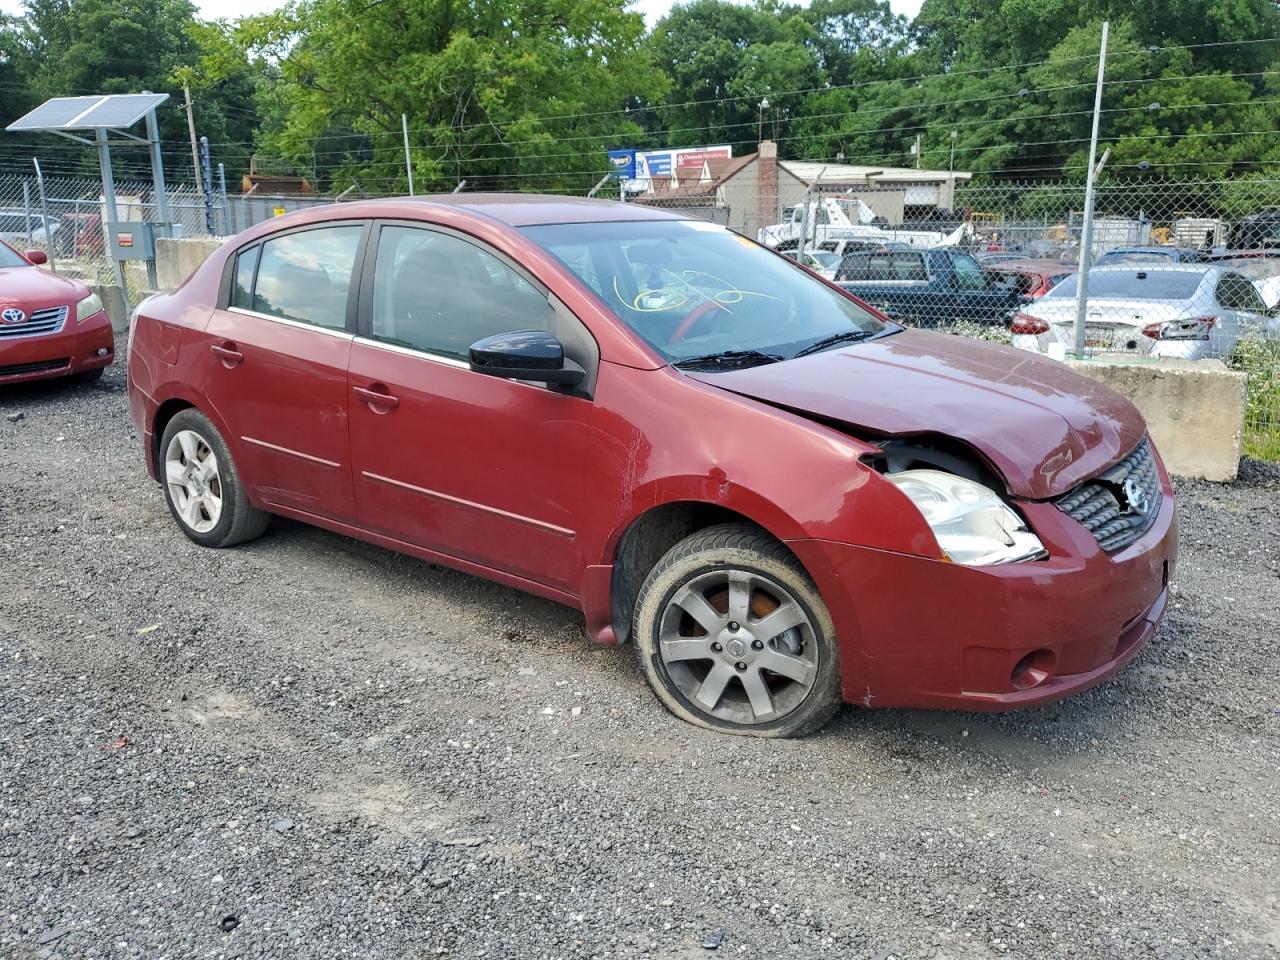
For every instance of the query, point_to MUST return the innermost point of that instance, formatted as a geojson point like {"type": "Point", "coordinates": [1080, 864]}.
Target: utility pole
{"type": "Point", "coordinates": [408, 160]}
{"type": "Point", "coordinates": [919, 147]}
{"type": "Point", "coordinates": [1086, 229]}
{"type": "Point", "coordinates": [191, 129]}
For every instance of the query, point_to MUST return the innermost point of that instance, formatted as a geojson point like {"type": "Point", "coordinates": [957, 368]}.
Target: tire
{"type": "Point", "coordinates": [718, 659]}
{"type": "Point", "coordinates": [210, 505]}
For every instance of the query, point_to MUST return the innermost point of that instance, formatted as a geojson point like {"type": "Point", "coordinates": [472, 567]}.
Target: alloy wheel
{"type": "Point", "coordinates": [193, 479]}
{"type": "Point", "coordinates": [738, 646]}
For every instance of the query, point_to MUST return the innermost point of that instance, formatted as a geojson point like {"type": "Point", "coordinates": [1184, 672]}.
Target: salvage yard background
{"type": "Point", "coordinates": [312, 745]}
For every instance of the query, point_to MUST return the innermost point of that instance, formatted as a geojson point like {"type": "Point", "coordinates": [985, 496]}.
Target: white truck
{"type": "Point", "coordinates": [848, 218]}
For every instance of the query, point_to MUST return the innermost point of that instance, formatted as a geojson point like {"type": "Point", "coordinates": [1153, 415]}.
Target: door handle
{"type": "Point", "coordinates": [379, 400]}
{"type": "Point", "coordinates": [228, 354]}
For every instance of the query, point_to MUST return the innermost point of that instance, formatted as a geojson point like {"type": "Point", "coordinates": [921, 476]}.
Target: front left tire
{"type": "Point", "coordinates": [203, 487]}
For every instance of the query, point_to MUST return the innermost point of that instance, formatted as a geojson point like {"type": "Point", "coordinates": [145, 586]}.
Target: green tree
{"type": "Point", "coordinates": [511, 93]}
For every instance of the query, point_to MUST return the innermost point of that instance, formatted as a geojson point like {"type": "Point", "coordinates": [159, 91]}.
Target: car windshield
{"type": "Point", "coordinates": [693, 289]}
{"type": "Point", "coordinates": [8, 258]}
{"type": "Point", "coordinates": [1134, 285]}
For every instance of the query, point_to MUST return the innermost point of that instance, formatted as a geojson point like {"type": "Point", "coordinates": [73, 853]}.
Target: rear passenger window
{"type": "Point", "coordinates": [242, 285]}
{"type": "Point", "coordinates": [306, 276]}
{"type": "Point", "coordinates": [439, 294]}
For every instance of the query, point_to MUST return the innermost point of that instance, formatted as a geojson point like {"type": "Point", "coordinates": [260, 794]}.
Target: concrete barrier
{"type": "Point", "coordinates": [1193, 408]}
{"type": "Point", "coordinates": [176, 259]}
{"type": "Point", "coordinates": [113, 300]}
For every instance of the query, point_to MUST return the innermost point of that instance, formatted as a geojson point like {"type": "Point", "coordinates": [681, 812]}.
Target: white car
{"type": "Point", "coordinates": [1188, 311]}
{"type": "Point", "coordinates": [822, 262]}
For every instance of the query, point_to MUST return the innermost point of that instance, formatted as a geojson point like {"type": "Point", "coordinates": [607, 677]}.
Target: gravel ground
{"type": "Point", "coordinates": [309, 747]}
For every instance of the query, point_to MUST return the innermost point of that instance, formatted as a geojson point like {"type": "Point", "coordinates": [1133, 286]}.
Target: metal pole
{"type": "Point", "coordinates": [113, 214]}
{"type": "Point", "coordinates": [44, 213]}
{"type": "Point", "coordinates": [157, 169]}
{"type": "Point", "coordinates": [1086, 230]}
{"type": "Point", "coordinates": [206, 184]}
{"type": "Point", "coordinates": [26, 208]}
{"type": "Point", "coordinates": [226, 210]}
{"type": "Point", "coordinates": [408, 160]}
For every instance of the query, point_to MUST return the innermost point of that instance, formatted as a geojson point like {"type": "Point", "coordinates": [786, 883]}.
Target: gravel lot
{"type": "Point", "coordinates": [309, 747]}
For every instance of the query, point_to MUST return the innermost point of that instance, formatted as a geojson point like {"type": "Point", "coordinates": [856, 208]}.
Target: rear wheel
{"type": "Point", "coordinates": [202, 486]}
{"type": "Point", "coordinates": [733, 636]}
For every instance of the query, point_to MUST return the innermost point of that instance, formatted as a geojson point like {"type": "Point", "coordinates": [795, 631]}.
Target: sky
{"type": "Point", "coordinates": [218, 9]}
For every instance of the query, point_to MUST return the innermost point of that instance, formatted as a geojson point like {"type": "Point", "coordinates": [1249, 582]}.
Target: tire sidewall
{"type": "Point", "coordinates": [823, 697]}
{"type": "Point", "coordinates": [198, 423]}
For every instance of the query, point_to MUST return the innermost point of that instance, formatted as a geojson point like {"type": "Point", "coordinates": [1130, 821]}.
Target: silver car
{"type": "Point", "coordinates": [1188, 311]}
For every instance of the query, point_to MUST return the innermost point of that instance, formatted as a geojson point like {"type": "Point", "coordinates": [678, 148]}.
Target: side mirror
{"type": "Point", "coordinates": [525, 355]}
{"type": "Point", "coordinates": [36, 257]}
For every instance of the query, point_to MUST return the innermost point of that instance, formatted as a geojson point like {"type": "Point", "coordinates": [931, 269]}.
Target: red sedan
{"type": "Point", "coordinates": [1032, 278]}
{"type": "Point", "coordinates": [780, 499]}
{"type": "Point", "coordinates": [49, 326]}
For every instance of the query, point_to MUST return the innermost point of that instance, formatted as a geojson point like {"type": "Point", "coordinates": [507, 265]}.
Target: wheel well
{"type": "Point", "coordinates": [164, 414]}
{"type": "Point", "coordinates": [642, 545]}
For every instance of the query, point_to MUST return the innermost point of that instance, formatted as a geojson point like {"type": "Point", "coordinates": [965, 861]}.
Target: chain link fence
{"type": "Point", "coordinates": [1179, 269]}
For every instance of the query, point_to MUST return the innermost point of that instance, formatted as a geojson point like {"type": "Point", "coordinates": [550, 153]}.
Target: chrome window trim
{"type": "Point", "coordinates": [343, 334]}
{"type": "Point", "coordinates": [415, 352]}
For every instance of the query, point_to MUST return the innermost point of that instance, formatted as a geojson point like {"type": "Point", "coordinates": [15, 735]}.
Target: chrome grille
{"type": "Point", "coordinates": [1118, 506]}
{"type": "Point", "coordinates": [49, 320]}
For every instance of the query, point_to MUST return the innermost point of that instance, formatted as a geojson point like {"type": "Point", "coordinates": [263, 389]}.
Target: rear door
{"type": "Point", "coordinates": [275, 365]}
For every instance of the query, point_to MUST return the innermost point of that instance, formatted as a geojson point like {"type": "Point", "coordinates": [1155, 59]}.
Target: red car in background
{"type": "Point", "coordinates": [778, 497]}
{"type": "Point", "coordinates": [1032, 278]}
{"type": "Point", "coordinates": [50, 326]}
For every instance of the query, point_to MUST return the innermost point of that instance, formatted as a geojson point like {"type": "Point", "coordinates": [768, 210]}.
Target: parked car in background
{"type": "Point", "coordinates": [998, 256]}
{"type": "Point", "coordinates": [1258, 231]}
{"type": "Point", "coordinates": [1126, 255]}
{"type": "Point", "coordinates": [1030, 278]}
{"type": "Point", "coordinates": [1264, 274]}
{"type": "Point", "coordinates": [929, 289]}
{"type": "Point", "coordinates": [822, 262]}
{"type": "Point", "coordinates": [49, 326]}
{"type": "Point", "coordinates": [22, 228]}
{"type": "Point", "coordinates": [1190, 311]}
{"type": "Point", "coordinates": [778, 498]}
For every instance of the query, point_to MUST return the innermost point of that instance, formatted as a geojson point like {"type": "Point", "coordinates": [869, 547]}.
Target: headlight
{"type": "Point", "coordinates": [87, 307]}
{"type": "Point", "coordinates": [972, 524]}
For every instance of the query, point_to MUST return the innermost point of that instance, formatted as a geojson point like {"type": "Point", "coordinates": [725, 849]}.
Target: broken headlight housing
{"type": "Point", "coordinates": [972, 524]}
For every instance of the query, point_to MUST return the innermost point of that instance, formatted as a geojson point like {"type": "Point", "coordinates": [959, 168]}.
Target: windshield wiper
{"type": "Point", "coordinates": [848, 336]}
{"type": "Point", "coordinates": [729, 359]}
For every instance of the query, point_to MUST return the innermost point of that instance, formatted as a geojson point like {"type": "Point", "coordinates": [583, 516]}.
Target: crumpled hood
{"type": "Point", "coordinates": [1043, 426]}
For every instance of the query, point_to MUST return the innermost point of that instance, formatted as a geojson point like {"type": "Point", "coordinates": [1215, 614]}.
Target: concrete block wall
{"type": "Point", "coordinates": [177, 259]}
{"type": "Point", "coordinates": [1194, 410]}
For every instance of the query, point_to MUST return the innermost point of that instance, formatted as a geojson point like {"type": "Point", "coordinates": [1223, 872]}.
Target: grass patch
{"type": "Point", "coordinates": [1259, 358]}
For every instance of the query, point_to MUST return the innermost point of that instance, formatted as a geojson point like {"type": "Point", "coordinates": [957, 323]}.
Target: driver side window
{"type": "Point", "coordinates": [439, 294]}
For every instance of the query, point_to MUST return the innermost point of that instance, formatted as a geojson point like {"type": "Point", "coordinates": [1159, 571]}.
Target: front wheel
{"type": "Point", "coordinates": [202, 485]}
{"type": "Point", "coordinates": [733, 636]}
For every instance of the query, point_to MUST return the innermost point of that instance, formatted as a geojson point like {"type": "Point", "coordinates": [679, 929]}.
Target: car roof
{"type": "Point", "coordinates": [530, 209]}
{"type": "Point", "coordinates": [1029, 265]}
{"type": "Point", "coordinates": [1255, 269]}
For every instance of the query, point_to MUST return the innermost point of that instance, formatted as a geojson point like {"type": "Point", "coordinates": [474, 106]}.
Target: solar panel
{"type": "Point", "coordinates": [54, 113]}
{"type": "Point", "coordinates": [86, 113]}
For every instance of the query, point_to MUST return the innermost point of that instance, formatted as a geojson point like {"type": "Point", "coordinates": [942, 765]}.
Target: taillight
{"type": "Point", "coordinates": [1192, 328]}
{"type": "Point", "coordinates": [1025, 323]}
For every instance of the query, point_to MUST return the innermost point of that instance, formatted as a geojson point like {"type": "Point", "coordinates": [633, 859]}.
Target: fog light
{"type": "Point", "coordinates": [103, 351]}
{"type": "Point", "coordinates": [1033, 670]}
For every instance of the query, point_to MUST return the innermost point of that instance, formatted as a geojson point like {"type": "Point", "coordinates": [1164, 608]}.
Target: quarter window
{"type": "Point", "coordinates": [242, 286]}
{"type": "Point", "coordinates": [306, 276]}
{"type": "Point", "coordinates": [437, 293]}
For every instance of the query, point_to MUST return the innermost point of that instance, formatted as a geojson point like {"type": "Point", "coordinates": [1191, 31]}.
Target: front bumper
{"type": "Point", "coordinates": [74, 349]}
{"type": "Point", "coordinates": [915, 632]}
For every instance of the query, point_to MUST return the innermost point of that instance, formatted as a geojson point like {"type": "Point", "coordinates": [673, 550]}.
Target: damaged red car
{"type": "Point", "coordinates": [50, 326]}
{"type": "Point", "coordinates": [779, 499]}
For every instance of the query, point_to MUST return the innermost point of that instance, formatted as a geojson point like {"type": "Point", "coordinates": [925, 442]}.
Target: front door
{"type": "Point", "coordinates": [480, 468]}
{"type": "Point", "coordinates": [276, 370]}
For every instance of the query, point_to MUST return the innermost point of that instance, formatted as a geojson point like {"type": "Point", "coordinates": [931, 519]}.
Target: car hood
{"type": "Point", "coordinates": [1044, 427]}
{"type": "Point", "coordinates": [32, 287]}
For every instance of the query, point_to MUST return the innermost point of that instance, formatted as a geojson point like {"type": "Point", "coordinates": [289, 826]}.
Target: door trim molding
{"type": "Point", "coordinates": [505, 514]}
{"type": "Point", "coordinates": [292, 453]}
